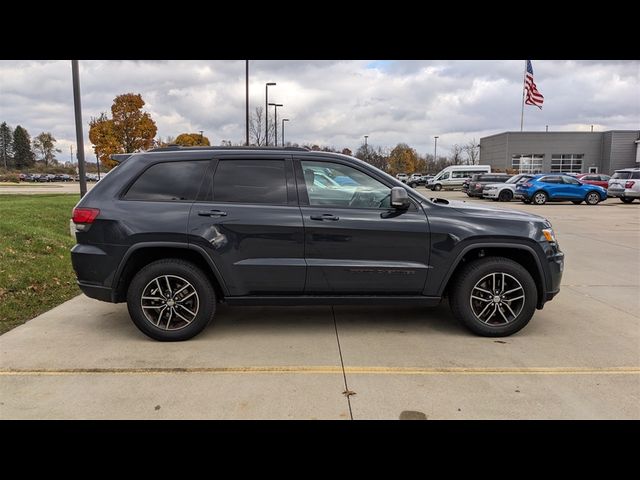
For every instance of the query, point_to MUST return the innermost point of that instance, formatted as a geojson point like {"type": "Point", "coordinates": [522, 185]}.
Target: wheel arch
{"type": "Point", "coordinates": [142, 254]}
{"type": "Point", "coordinates": [523, 254]}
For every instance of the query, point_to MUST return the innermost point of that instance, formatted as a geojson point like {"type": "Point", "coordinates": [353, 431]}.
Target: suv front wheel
{"type": "Point", "coordinates": [171, 300]}
{"type": "Point", "coordinates": [493, 296]}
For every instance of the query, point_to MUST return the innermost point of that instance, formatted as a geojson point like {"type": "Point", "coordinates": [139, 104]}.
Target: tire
{"type": "Point", "coordinates": [437, 187]}
{"type": "Point", "coordinates": [626, 200]}
{"type": "Point", "coordinates": [176, 272]}
{"type": "Point", "coordinates": [505, 196]}
{"type": "Point", "coordinates": [576, 202]}
{"type": "Point", "coordinates": [592, 198]}
{"type": "Point", "coordinates": [539, 198]}
{"type": "Point", "coordinates": [477, 273]}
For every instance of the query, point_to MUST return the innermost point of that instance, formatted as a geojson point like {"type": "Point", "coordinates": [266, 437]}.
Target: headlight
{"type": "Point", "coordinates": [490, 188]}
{"type": "Point", "coordinates": [549, 235]}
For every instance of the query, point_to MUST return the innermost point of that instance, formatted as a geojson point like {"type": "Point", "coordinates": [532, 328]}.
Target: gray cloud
{"type": "Point", "coordinates": [330, 102]}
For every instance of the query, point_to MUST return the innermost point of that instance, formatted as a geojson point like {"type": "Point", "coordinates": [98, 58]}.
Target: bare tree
{"type": "Point", "coordinates": [472, 150]}
{"type": "Point", "coordinates": [256, 128]}
{"type": "Point", "coordinates": [456, 154]}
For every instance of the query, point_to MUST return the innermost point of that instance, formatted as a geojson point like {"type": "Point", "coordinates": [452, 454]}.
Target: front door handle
{"type": "Point", "coordinates": [212, 213]}
{"type": "Point", "coordinates": [325, 216]}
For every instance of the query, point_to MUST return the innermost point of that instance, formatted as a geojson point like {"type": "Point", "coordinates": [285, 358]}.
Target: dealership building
{"type": "Point", "coordinates": [568, 152]}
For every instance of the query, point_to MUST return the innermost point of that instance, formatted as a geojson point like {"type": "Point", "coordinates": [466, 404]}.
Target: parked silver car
{"type": "Point", "coordinates": [625, 184]}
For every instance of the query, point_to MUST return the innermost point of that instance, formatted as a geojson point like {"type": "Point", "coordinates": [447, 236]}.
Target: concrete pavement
{"type": "Point", "coordinates": [578, 358]}
{"type": "Point", "coordinates": [27, 188]}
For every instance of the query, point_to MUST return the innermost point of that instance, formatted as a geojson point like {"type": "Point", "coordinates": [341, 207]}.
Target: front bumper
{"type": "Point", "coordinates": [555, 264]}
{"type": "Point", "coordinates": [490, 193]}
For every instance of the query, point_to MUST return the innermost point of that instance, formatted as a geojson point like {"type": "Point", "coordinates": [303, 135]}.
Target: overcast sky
{"type": "Point", "coordinates": [330, 103]}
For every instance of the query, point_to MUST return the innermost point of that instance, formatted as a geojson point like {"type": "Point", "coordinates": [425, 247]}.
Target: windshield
{"type": "Point", "coordinates": [514, 179]}
{"type": "Point", "coordinates": [623, 175]}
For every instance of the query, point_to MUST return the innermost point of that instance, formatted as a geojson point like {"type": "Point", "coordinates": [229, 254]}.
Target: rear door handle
{"type": "Point", "coordinates": [325, 216]}
{"type": "Point", "coordinates": [212, 213]}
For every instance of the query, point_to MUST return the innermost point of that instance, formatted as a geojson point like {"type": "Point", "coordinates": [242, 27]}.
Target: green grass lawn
{"type": "Point", "coordinates": [35, 265]}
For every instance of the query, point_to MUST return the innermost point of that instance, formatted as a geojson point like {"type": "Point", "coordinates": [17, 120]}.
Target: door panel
{"type": "Point", "coordinates": [355, 243]}
{"type": "Point", "coordinates": [365, 251]}
{"type": "Point", "coordinates": [258, 248]}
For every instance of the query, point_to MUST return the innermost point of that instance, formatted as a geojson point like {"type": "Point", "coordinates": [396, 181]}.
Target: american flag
{"type": "Point", "coordinates": [534, 97]}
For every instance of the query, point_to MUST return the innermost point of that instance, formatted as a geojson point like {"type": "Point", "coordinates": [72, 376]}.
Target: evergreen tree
{"type": "Point", "coordinates": [22, 154]}
{"type": "Point", "coordinates": [6, 140]}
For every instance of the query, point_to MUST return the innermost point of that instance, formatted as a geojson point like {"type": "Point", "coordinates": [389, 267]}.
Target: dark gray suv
{"type": "Point", "coordinates": [174, 231]}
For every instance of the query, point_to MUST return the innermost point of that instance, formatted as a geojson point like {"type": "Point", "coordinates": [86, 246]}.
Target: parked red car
{"type": "Point", "coordinates": [594, 179]}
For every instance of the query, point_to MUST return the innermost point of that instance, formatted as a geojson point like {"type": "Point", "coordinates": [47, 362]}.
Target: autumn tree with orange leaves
{"type": "Point", "coordinates": [129, 130]}
{"type": "Point", "coordinates": [192, 140]}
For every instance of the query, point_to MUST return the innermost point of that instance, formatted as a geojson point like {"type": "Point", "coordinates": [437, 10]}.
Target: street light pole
{"type": "Point", "coordinates": [266, 112]}
{"type": "Point", "coordinates": [276, 105]}
{"type": "Point", "coordinates": [246, 102]}
{"type": "Point", "coordinates": [75, 74]}
{"type": "Point", "coordinates": [283, 120]}
{"type": "Point", "coordinates": [98, 165]}
{"type": "Point", "coordinates": [366, 148]}
{"type": "Point", "coordinates": [435, 149]}
{"type": "Point", "coordinates": [201, 137]}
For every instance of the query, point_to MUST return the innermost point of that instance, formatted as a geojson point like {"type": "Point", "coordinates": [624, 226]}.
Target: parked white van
{"type": "Point", "coordinates": [454, 176]}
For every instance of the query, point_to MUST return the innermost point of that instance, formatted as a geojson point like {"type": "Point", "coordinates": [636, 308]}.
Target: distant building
{"type": "Point", "coordinates": [578, 152]}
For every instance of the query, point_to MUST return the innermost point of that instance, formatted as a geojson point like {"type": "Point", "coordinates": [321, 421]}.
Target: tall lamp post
{"type": "Point", "coordinates": [283, 120]}
{"type": "Point", "coordinates": [201, 136]}
{"type": "Point", "coordinates": [246, 101]}
{"type": "Point", "coordinates": [98, 165]}
{"type": "Point", "coordinates": [435, 149]}
{"type": "Point", "coordinates": [266, 111]}
{"type": "Point", "coordinates": [366, 148]}
{"type": "Point", "coordinates": [276, 105]}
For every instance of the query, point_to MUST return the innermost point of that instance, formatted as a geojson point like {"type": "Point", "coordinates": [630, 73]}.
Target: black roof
{"type": "Point", "coordinates": [242, 147]}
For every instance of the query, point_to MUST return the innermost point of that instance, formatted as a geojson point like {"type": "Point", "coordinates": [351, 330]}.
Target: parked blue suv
{"type": "Point", "coordinates": [545, 188]}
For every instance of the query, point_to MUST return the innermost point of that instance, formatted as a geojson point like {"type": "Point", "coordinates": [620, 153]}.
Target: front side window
{"type": "Point", "coordinates": [354, 190]}
{"type": "Point", "coordinates": [250, 181]}
{"type": "Point", "coordinates": [169, 181]}
{"type": "Point", "coordinates": [570, 180]}
{"type": "Point", "coordinates": [445, 176]}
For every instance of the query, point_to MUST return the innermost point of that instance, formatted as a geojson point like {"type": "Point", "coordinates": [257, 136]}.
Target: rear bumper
{"type": "Point", "coordinates": [626, 193]}
{"type": "Point", "coordinates": [104, 294]}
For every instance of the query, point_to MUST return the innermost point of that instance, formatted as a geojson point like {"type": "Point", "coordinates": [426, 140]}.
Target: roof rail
{"type": "Point", "coordinates": [174, 147]}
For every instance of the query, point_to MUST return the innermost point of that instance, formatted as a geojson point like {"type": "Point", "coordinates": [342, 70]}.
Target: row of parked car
{"type": "Point", "coordinates": [415, 179]}
{"type": "Point", "coordinates": [545, 187]}
{"type": "Point", "coordinates": [50, 177]}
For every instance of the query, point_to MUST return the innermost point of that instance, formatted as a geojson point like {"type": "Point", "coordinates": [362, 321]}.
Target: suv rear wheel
{"type": "Point", "coordinates": [539, 198]}
{"type": "Point", "coordinates": [626, 200]}
{"type": "Point", "coordinates": [493, 296]}
{"type": "Point", "coordinates": [171, 300]}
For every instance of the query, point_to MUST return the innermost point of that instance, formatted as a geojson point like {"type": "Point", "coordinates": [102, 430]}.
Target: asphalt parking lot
{"type": "Point", "coordinates": [579, 358]}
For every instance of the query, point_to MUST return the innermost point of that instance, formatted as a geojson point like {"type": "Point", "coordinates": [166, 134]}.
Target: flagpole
{"type": "Point", "coordinates": [524, 83]}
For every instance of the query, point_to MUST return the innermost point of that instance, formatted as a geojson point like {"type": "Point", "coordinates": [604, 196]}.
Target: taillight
{"type": "Point", "coordinates": [527, 185]}
{"type": "Point", "coordinates": [629, 184]}
{"type": "Point", "coordinates": [478, 185]}
{"type": "Point", "coordinates": [84, 215]}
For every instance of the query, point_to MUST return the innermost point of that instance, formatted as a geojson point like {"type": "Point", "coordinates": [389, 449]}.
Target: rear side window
{"type": "Point", "coordinates": [250, 181]}
{"type": "Point", "coordinates": [551, 180]}
{"type": "Point", "coordinates": [170, 181]}
{"type": "Point", "coordinates": [635, 175]}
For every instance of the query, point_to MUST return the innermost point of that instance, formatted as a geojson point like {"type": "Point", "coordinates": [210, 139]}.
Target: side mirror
{"type": "Point", "coordinates": [399, 198]}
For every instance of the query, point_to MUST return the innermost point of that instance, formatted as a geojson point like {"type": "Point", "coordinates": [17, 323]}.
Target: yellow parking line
{"type": "Point", "coordinates": [332, 370]}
